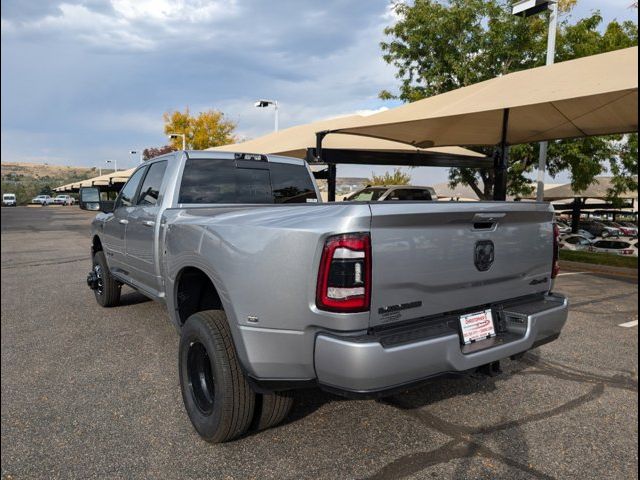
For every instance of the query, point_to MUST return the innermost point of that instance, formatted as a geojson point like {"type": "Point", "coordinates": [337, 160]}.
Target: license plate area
{"type": "Point", "coordinates": [476, 326]}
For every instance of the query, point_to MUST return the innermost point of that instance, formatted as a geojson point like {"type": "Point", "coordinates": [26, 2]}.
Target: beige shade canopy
{"type": "Point", "coordinates": [107, 179]}
{"type": "Point", "coordinates": [598, 189]}
{"type": "Point", "coordinates": [295, 141]}
{"type": "Point", "coordinates": [594, 95]}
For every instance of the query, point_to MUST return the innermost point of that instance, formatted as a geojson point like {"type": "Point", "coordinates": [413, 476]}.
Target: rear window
{"type": "Point", "coordinates": [368, 195]}
{"type": "Point", "coordinates": [226, 181]}
{"type": "Point", "coordinates": [410, 194]}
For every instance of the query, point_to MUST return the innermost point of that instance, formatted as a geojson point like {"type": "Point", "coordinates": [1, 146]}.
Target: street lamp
{"type": "Point", "coordinates": [265, 104]}
{"type": "Point", "coordinates": [115, 164]}
{"type": "Point", "coordinates": [134, 152]}
{"type": "Point", "coordinates": [527, 8]}
{"type": "Point", "coordinates": [178, 135]}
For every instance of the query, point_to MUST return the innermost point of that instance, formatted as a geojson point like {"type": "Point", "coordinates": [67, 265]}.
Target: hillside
{"type": "Point", "coordinates": [27, 180]}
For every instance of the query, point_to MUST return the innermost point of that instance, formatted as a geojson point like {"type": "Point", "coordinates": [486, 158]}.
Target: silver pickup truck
{"type": "Point", "coordinates": [273, 290]}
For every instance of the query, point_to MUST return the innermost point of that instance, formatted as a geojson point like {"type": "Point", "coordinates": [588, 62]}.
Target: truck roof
{"type": "Point", "coordinates": [214, 154]}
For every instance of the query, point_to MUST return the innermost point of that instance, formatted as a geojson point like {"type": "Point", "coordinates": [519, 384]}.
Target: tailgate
{"type": "Point", "coordinates": [437, 257]}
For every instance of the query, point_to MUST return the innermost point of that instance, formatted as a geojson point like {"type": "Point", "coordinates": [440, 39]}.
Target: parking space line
{"type": "Point", "coordinates": [571, 273]}
{"type": "Point", "coordinates": [634, 323]}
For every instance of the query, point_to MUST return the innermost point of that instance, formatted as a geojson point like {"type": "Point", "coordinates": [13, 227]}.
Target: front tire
{"type": "Point", "coordinates": [108, 291]}
{"type": "Point", "coordinates": [216, 395]}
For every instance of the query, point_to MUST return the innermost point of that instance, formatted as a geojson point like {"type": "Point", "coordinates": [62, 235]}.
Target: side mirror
{"type": "Point", "coordinates": [90, 200]}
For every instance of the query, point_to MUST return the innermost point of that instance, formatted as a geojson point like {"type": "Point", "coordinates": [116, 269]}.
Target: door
{"type": "Point", "coordinates": [143, 230]}
{"type": "Point", "coordinates": [115, 227]}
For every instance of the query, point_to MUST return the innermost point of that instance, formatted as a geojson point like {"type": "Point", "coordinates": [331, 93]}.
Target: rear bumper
{"type": "Point", "coordinates": [358, 366]}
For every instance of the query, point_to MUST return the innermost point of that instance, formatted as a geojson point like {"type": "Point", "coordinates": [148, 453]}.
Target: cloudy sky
{"type": "Point", "coordinates": [86, 81]}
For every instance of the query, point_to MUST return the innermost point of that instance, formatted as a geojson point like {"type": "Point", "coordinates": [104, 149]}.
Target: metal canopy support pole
{"type": "Point", "coordinates": [331, 183]}
{"type": "Point", "coordinates": [575, 215]}
{"type": "Point", "coordinates": [331, 167]}
{"type": "Point", "coordinates": [502, 162]}
{"type": "Point", "coordinates": [551, 53]}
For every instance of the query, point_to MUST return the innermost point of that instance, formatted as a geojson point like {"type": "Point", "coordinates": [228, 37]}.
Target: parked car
{"type": "Point", "coordinates": [9, 200]}
{"type": "Point", "coordinates": [64, 200]}
{"type": "Point", "coordinates": [42, 200]}
{"type": "Point", "coordinates": [575, 242]}
{"type": "Point", "coordinates": [624, 229]}
{"type": "Point", "coordinates": [617, 247]}
{"type": "Point", "coordinates": [563, 227]}
{"type": "Point", "coordinates": [598, 229]}
{"type": "Point", "coordinates": [587, 235]}
{"type": "Point", "coordinates": [273, 290]}
{"type": "Point", "coordinates": [392, 192]}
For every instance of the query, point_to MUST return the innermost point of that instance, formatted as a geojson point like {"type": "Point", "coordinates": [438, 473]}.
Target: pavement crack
{"type": "Point", "coordinates": [464, 444]}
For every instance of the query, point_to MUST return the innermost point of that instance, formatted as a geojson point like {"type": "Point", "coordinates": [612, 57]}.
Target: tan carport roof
{"type": "Point", "coordinates": [593, 95]}
{"type": "Point", "coordinates": [597, 190]}
{"type": "Point", "coordinates": [107, 179]}
{"type": "Point", "coordinates": [295, 141]}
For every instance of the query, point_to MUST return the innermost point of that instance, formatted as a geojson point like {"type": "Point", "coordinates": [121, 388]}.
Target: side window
{"type": "Point", "coordinates": [127, 194]}
{"type": "Point", "coordinates": [150, 190]}
{"type": "Point", "coordinates": [572, 240]}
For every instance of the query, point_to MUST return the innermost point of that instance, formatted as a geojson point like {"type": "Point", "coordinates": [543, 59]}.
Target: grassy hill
{"type": "Point", "coordinates": [27, 180]}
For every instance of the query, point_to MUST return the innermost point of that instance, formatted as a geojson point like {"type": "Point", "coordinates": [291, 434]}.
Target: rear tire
{"type": "Point", "coordinates": [108, 291]}
{"type": "Point", "coordinates": [216, 395]}
{"type": "Point", "coordinates": [271, 409]}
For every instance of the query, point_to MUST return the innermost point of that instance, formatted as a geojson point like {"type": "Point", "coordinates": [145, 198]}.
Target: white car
{"type": "Point", "coordinates": [563, 227]}
{"type": "Point", "coordinates": [616, 247]}
{"type": "Point", "coordinates": [9, 200]}
{"type": "Point", "coordinates": [574, 242]}
{"type": "Point", "coordinates": [64, 200]}
{"type": "Point", "coordinates": [42, 200]}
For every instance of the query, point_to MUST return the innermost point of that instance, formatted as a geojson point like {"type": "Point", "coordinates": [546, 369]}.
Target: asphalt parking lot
{"type": "Point", "coordinates": [94, 393]}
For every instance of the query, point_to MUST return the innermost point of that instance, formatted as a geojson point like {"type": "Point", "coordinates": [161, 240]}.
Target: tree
{"type": "Point", "coordinates": [440, 46]}
{"type": "Point", "coordinates": [207, 129]}
{"type": "Point", "coordinates": [47, 190]}
{"type": "Point", "coordinates": [153, 152]}
{"type": "Point", "coordinates": [397, 178]}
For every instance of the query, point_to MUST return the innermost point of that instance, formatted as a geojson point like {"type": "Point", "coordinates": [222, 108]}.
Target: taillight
{"type": "Point", "coordinates": [555, 268]}
{"type": "Point", "coordinates": [344, 278]}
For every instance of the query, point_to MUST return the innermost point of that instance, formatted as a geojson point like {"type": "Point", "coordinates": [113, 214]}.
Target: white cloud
{"type": "Point", "coordinates": [174, 11]}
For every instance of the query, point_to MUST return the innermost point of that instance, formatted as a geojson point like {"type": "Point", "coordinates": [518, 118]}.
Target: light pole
{"type": "Point", "coordinates": [184, 139]}
{"type": "Point", "coordinates": [134, 152]}
{"type": "Point", "coordinates": [528, 8]}
{"type": "Point", "coordinates": [115, 164]}
{"type": "Point", "coordinates": [266, 103]}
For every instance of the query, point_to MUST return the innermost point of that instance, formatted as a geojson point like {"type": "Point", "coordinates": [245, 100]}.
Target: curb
{"type": "Point", "coordinates": [601, 269]}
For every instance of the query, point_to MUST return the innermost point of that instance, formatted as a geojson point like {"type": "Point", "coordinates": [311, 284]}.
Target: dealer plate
{"type": "Point", "coordinates": [477, 326]}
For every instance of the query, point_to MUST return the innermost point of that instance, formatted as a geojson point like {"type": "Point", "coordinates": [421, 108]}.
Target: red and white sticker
{"type": "Point", "coordinates": [477, 326]}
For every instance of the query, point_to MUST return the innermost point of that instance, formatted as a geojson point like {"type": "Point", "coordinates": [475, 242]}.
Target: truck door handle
{"type": "Point", "coordinates": [123, 221]}
{"type": "Point", "coordinates": [149, 223]}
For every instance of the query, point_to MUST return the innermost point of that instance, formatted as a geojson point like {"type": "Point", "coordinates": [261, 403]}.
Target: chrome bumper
{"type": "Point", "coordinates": [359, 366]}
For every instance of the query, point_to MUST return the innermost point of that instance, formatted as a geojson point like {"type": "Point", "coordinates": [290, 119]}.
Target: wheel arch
{"type": "Point", "coordinates": [194, 290]}
{"type": "Point", "coordinates": [96, 245]}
